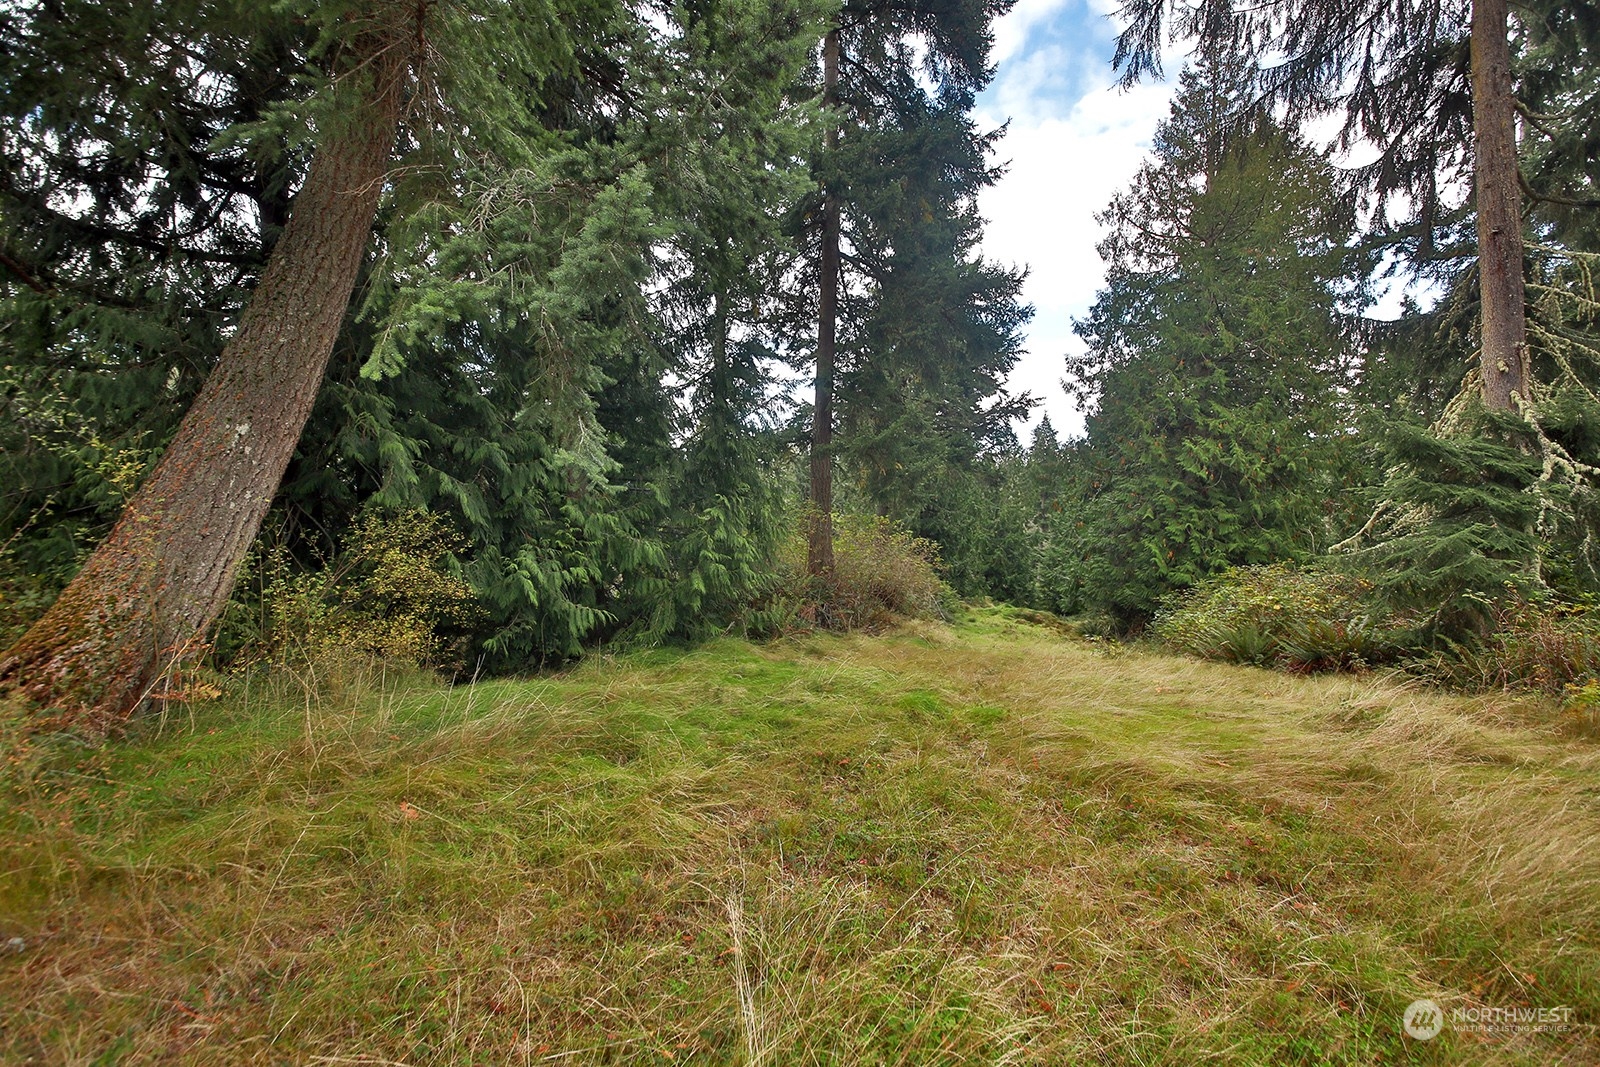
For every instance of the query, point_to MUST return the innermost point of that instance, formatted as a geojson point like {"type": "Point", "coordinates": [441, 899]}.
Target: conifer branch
{"type": "Point", "coordinates": [21, 272]}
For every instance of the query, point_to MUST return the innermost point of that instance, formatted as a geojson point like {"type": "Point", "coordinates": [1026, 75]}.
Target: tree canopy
{"type": "Point", "coordinates": [288, 286]}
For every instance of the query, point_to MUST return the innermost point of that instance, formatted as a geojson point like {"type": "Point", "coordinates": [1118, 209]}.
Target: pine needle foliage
{"type": "Point", "coordinates": [130, 233]}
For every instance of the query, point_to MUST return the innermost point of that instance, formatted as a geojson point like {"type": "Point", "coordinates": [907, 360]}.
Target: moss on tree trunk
{"type": "Point", "coordinates": [145, 599]}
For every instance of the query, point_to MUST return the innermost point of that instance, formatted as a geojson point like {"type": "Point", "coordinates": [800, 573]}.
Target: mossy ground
{"type": "Point", "coordinates": [986, 843]}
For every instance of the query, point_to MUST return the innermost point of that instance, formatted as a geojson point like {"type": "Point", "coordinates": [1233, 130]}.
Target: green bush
{"type": "Point", "coordinates": [389, 594]}
{"type": "Point", "coordinates": [1547, 645]}
{"type": "Point", "coordinates": [1318, 620]}
{"type": "Point", "coordinates": [880, 571]}
{"type": "Point", "coordinates": [1581, 708]}
{"type": "Point", "coordinates": [1283, 616]}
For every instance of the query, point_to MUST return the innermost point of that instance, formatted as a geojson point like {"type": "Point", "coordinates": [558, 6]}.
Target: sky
{"type": "Point", "coordinates": [1075, 139]}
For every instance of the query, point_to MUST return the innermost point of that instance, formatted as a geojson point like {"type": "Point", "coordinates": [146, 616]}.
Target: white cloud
{"type": "Point", "coordinates": [1011, 32]}
{"type": "Point", "coordinates": [1067, 158]}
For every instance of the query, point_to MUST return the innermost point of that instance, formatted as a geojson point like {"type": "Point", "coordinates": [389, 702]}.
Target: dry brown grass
{"type": "Point", "coordinates": [981, 844]}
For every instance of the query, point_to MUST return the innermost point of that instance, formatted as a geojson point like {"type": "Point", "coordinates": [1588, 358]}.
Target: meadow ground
{"type": "Point", "coordinates": [974, 844]}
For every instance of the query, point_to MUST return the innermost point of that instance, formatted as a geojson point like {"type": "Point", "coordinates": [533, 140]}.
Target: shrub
{"type": "Point", "coordinates": [1550, 647]}
{"type": "Point", "coordinates": [389, 594]}
{"type": "Point", "coordinates": [1547, 645]}
{"type": "Point", "coordinates": [1581, 709]}
{"type": "Point", "coordinates": [880, 571]}
{"type": "Point", "coordinates": [1280, 615]}
{"type": "Point", "coordinates": [1317, 620]}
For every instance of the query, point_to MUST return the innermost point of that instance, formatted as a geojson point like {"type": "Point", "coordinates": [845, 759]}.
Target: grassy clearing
{"type": "Point", "coordinates": [983, 844]}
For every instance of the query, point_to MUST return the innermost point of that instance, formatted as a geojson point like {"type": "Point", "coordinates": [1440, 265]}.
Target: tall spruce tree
{"type": "Point", "coordinates": [913, 333]}
{"type": "Point", "coordinates": [1215, 357]}
{"type": "Point", "coordinates": [129, 239]}
{"type": "Point", "coordinates": [164, 573]}
{"type": "Point", "coordinates": [730, 174]}
{"type": "Point", "coordinates": [567, 480]}
{"type": "Point", "coordinates": [924, 410]}
{"type": "Point", "coordinates": [1464, 523]}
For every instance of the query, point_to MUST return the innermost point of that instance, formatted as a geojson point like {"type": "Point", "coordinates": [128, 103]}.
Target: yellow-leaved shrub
{"type": "Point", "coordinates": [391, 593]}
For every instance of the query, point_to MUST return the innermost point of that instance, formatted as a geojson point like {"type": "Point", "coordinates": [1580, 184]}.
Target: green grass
{"type": "Point", "coordinates": [988, 843]}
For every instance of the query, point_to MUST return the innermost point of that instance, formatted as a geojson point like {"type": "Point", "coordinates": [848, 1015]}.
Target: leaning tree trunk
{"type": "Point", "coordinates": [819, 554]}
{"type": "Point", "coordinates": [1504, 353]}
{"type": "Point", "coordinates": [144, 600]}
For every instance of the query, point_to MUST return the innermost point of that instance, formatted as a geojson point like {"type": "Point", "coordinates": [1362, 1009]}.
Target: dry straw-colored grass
{"type": "Point", "coordinates": [983, 844]}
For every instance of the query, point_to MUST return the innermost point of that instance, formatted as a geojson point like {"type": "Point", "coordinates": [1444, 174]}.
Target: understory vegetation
{"type": "Point", "coordinates": [979, 843]}
{"type": "Point", "coordinates": [557, 413]}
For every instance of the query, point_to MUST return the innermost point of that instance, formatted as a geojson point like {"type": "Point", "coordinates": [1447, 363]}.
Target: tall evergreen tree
{"type": "Point", "coordinates": [914, 334]}
{"type": "Point", "coordinates": [819, 538]}
{"type": "Point", "coordinates": [129, 239]}
{"type": "Point", "coordinates": [734, 174]}
{"type": "Point", "coordinates": [939, 326]}
{"type": "Point", "coordinates": [161, 577]}
{"type": "Point", "coordinates": [1464, 525]}
{"type": "Point", "coordinates": [1215, 357]}
{"type": "Point", "coordinates": [166, 570]}
{"type": "Point", "coordinates": [596, 502]}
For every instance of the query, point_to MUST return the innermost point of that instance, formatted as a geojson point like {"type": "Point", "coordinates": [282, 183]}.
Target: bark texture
{"type": "Point", "coordinates": [819, 548]}
{"type": "Point", "coordinates": [145, 599]}
{"type": "Point", "coordinates": [1503, 356]}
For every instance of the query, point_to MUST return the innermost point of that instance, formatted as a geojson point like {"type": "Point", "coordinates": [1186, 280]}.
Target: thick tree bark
{"type": "Point", "coordinates": [819, 554]}
{"type": "Point", "coordinates": [144, 600]}
{"type": "Point", "coordinates": [1503, 356]}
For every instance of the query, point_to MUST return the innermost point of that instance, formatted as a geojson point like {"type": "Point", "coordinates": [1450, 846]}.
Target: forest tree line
{"type": "Point", "coordinates": [496, 314]}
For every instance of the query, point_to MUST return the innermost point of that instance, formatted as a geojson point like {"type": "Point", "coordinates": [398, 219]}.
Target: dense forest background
{"type": "Point", "coordinates": [483, 334]}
